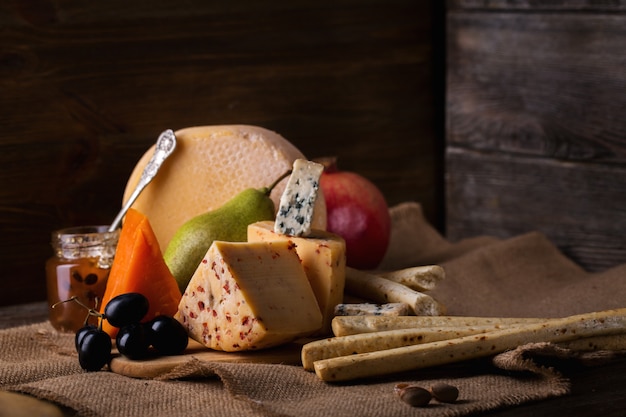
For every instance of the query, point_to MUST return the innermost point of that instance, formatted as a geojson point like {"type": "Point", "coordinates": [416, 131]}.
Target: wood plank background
{"type": "Point", "coordinates": [86, 87]}
{"type": "Point", "coordinates": [534, 108]}
{"type": "Point", "coordinates": [536, 124]}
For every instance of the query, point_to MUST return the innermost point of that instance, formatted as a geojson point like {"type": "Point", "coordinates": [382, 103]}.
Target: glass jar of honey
{"type": "Point", "coordinates": [79, 268]}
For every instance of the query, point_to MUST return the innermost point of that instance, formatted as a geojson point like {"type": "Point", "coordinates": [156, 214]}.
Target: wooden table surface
{"type": "Point", "coordinates": [596, 391]}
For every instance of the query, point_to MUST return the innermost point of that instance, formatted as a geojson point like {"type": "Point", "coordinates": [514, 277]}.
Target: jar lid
{"type": "Point", "coordinates": [86, 242]}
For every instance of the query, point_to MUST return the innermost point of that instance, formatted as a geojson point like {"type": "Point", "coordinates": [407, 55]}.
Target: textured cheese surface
{"type": "Point", "coordinates": [295, 212]}
{"type": "Point", "coordinates": [212, 164]}
{"type": "Point", "coordinates": [323, 255]}
{"type": "Point", "coordinates": [371, 309]}
{"type": "Point", "coordinates": [247, 296]}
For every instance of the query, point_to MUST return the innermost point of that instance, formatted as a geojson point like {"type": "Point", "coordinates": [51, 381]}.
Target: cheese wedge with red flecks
{"type": "Point", "coordinates": [249, 295]}
{"type": "Point", "coordinates": [323, 256]}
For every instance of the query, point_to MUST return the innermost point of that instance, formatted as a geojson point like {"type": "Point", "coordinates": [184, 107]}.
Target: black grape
{"type": "Point", "coordinates": [94, 350]}
{"type": "Point", "coordinates": [167, 335]}
{"type": "Point", "coordinates": [80, 334]}
{"type": "Point", "coordinates": [126, 309]}
{"type": "Point", "coordinates": [133, 341]}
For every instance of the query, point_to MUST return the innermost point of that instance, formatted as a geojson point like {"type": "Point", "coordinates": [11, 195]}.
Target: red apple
{"type": "Point", "coordinates": [358, 212]}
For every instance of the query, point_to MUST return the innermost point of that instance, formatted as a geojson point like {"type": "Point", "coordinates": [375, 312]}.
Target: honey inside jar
{"type": "Point", "coordinates": [80, 269]}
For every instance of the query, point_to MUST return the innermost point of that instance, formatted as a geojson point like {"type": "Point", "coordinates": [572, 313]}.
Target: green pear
{"type": "Point", "coordinates": [227, 223]}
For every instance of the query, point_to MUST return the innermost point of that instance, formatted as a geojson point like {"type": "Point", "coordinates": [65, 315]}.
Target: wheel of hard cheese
{"type": "Point", "coordinates": [210, 165]}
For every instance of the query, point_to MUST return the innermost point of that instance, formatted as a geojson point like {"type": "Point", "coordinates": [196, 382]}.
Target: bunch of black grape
{"type": "Point", "coordinates": [163, 335]}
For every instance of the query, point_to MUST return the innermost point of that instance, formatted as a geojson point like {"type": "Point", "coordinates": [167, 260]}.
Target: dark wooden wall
{"type": "Point", "coordinates": [536, 123]}
{"type": "Point", "coordinates": [86, 87]}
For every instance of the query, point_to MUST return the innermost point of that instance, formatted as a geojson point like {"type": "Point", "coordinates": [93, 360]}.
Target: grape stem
{"type": "Point", "coordinates": [90, 311]}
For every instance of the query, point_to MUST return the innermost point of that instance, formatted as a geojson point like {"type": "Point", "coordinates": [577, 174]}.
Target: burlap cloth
{"type": "Point", "coordinates": [522, 276]}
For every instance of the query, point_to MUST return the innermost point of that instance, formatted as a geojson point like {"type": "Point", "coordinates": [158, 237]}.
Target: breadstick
{"type": "Point", "coordinates": [347, 325]}
{"type": "Point", "coordinates": [371, 342]}
{"type": "Point", "coordinates": [381, 290]}
{"type": "Point", "coordinates": [418, 278]}
{"type": "Point", "coordinates": [615, 342]}
{"type": "Point", "coordinates": [389, 339]}
{"type": "Point", "coordinates": [408, 358]}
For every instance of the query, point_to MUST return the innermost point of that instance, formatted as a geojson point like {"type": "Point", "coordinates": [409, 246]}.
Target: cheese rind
{"type": "Point", "coordinates": [295, 212]}
{"type": "Point", "coordinates": [323, 256]}
{"type": "Point", "coordinates": [247, 296]}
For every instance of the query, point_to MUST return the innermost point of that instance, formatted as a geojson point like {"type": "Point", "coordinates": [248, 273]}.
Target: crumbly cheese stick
{"type": "Point", "coordinates": [418, 278]}
{"type": "Point", "coordinates": [381, 290]}
{"type": "Point", "coordinates": [370, 309]}
{"type": "Point", "coordinates": [347, 325]}
{"type": "Point", "coordinates": [371, 342]}
{"type": "Point", "coordinates": [408, 358]}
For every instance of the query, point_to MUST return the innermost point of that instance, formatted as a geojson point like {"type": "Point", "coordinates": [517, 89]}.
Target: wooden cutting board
{"type": "Point", "coordinates": [150, 368]}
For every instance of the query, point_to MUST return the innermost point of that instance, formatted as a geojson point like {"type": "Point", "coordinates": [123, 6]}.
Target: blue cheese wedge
{"type": "Point", "coordinates": [371, 309]}
{"type": "Point", "coordinates": [295, 211]}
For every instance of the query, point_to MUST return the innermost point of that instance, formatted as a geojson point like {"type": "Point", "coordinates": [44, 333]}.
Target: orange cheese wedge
{"type": "Point", "coordinates": [138, 266]}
